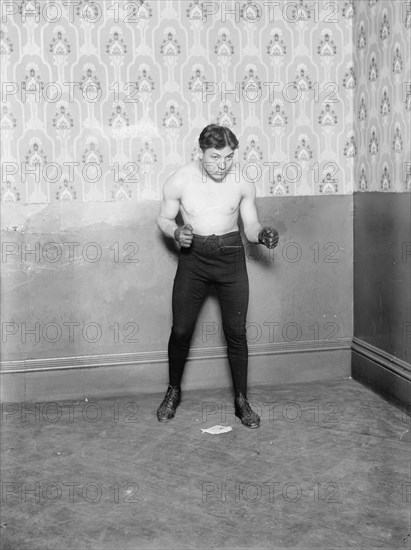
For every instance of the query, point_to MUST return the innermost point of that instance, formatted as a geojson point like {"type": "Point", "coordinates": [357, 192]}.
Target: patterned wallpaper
{"type": "Point", "coordinates": [102, 100]}
{"type": "Point", "coordinates": [382, 61]}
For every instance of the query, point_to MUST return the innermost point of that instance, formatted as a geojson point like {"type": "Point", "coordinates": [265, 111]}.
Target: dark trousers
{"type": "Point", "coordinates": [217, 260]}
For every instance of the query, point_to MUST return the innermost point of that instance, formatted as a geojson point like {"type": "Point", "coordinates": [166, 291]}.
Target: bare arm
{"type": "Point", "coordinates": [254, 231]}
{"type": "Point", "coordinates": [248, 211]}
{"type": "Point", "coordinates": [170, 207]}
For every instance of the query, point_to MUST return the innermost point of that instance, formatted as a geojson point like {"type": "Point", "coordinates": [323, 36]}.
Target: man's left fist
{"type": "Point", "coordinates": [268, 237]}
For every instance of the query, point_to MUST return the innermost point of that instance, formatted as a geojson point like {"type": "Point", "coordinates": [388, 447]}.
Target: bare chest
{"type": "Point", "coordinates": [198, 199]}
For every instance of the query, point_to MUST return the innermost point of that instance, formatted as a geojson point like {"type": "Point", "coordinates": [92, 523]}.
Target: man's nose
{"type": "Point", "coordinates": [221, 165]}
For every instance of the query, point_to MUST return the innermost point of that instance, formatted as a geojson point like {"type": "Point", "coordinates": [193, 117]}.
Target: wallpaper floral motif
{"type": "Point", "coordinates": [382, 34]}
{"type": "Point", "coordinates": [102, 100]}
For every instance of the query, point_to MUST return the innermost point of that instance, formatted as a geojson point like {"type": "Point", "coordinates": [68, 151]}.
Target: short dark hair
{"type": "Point", "coordinates": [217, 137]}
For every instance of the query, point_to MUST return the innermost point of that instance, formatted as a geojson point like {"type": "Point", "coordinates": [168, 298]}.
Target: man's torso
{"type": "Point", "coordinates": [209, 207]}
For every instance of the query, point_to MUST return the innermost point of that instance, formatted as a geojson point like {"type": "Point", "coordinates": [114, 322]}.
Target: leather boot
{"type": "Point", "coordinates": [245, 413]}
{"type": "Point", "coordinates": [167, 409]}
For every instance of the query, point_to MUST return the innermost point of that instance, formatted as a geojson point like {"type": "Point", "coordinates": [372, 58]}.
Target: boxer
{"type": "Point", "coordinates": [210, 199]}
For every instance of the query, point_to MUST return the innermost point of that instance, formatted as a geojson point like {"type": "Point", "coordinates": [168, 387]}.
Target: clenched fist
{"type": "Point", "coordinates": [268, 237]}
{"type": "Point", "coordinates": [184, 235]}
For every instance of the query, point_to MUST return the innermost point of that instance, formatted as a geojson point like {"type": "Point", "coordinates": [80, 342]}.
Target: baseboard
{"type": "Point", "coordinates": [147, 372]}
{"type": "Point", "coordinates": [381, 371]}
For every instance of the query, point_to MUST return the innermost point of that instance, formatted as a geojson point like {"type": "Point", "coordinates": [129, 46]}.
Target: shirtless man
{"type": "Point", "coordinates": [210, 200]}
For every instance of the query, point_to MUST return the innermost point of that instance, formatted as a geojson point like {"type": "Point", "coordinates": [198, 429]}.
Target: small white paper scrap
{"type": "Point", "coordinates": [217, 429]}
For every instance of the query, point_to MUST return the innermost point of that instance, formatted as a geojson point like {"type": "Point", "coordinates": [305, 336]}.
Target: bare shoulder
{"type": "Point", "coordinates": [188, 173]}
{"type": "Point", "coordinates": [176, 182]}
{"type": "Point", "coordinates": [248, 190]}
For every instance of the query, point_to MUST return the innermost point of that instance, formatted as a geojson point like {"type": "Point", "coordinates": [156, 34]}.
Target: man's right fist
{"type": "Point", "coordinates": [184, 235]}
{"type": "Point", "coordinates": [268, 237]}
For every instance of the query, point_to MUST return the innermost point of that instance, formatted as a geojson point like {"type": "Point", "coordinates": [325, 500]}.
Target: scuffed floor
{"type": "Point", "coordinates": [328, 468]}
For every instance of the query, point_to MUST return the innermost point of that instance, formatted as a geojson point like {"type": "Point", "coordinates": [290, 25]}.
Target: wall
{"type": "Point", "coordinates": [77, 327]}
{"type": "Point", "coordinates": [107, 102]}
{"type": "Point", "coordinates": [119, 98]}
{"type": "Point", "coordinates": [382, 205]}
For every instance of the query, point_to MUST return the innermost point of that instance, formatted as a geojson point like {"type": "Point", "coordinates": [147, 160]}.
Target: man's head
{"type": "Point", "coordinates": [217, 144]}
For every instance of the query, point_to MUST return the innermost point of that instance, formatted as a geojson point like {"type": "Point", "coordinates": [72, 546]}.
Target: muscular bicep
{"type": "Point", "coordinates": [170, 205]}
{"type": "Point", "coordinates": [248, 209]}
{"type": "Point", "coordinates": [248, 212]}
{"type": "Point", "coordinates": [169, 208]}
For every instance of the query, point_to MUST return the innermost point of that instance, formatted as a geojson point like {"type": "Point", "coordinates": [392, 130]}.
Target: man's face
{"type": "Point", "coordinates": [217, 162]}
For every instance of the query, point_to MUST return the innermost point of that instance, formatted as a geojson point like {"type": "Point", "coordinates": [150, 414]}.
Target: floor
{"type": "Point", "coordinates": [328, 468]}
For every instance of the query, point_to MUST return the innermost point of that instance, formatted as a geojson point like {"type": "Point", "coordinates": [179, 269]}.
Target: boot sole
{"type": "Point", "coordinates": [252, 426]}
{"type": "Point", "coordinates": [165, 420]}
